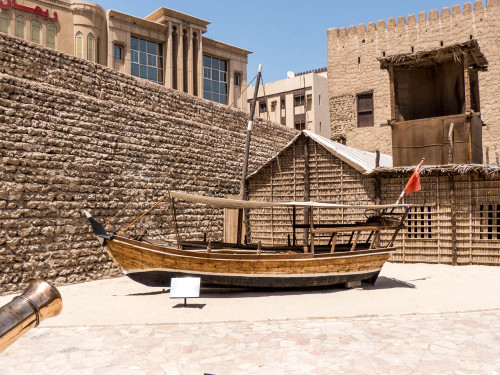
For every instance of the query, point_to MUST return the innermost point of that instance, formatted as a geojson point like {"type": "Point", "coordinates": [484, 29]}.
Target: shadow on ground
{"type": "Point", "coordinates": [230, 292]}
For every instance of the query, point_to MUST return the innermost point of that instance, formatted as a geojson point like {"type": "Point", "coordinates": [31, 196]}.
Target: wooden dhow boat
{"type": "Point", "coordinates": [252, 265]}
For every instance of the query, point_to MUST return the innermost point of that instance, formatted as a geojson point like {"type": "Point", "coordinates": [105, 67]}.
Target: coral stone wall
{"type": "Point", "coordinates": [76, 135]}
{"type": "Point", "coordinates": [353, 66]}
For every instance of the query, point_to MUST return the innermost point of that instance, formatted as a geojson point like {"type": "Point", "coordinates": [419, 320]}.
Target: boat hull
{"type": "Point", "coordinates": [161, 278]}
{"type": "Point", "coordinates": [154, 265]}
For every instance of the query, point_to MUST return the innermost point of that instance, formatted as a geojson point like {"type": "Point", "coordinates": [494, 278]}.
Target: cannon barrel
{"type": "Point", "coordinates": [38, 302]}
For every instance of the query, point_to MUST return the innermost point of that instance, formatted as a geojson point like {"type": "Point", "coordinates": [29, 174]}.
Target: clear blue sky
{"type": "Point", "coordinates": [283, 34]}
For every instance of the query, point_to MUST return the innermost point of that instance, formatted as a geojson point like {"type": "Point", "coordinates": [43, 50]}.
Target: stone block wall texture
{"type": "Point", "coordinates": [76, 135]}
{"type": "Point", "coordinates": [348, 76]}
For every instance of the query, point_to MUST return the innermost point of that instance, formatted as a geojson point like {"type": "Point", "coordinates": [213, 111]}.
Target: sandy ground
{"type": "Point", "coordinates": [400, 289]}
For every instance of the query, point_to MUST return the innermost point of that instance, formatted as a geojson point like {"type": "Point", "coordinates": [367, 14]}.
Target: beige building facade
{"type": "Point", "coordinates": [166, 47]}
{"type": "Point", "coordinates": [299, 102]}
{"type": "Point", "coordinates": [366, 98]}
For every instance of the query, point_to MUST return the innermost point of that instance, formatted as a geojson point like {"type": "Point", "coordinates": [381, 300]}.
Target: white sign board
{"type": "Point", "coordinates": [185, 287]}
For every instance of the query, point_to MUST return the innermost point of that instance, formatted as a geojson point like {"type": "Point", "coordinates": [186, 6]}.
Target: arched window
{"type": "Point", "coordinates": [79, 44]}
{"type": "Point", "coordinates": [98, 51]}
{"type": "Point", "coordinates": [51, 36]}
{"type": "Point", "coordinates": [4, 22]}
{"type": "Point", "coordinates": [36, 30]}
{"type": "Point", "coordinates": [20, 27]}
{"type": "Point", "coordinates": [90, 47]}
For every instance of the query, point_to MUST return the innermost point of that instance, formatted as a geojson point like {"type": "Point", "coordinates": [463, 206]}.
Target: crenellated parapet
{"type": "Point", "coordinates": [405, 24]}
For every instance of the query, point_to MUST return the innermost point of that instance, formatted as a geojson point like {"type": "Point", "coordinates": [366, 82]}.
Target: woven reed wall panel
{"type": "Point", "coordinates": [331, 180]}
{"type": "Point", "coordinates": [477, 210]}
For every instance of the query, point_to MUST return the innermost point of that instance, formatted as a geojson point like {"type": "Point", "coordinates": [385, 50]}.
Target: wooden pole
{"type": "Point", "coordinates": [175, 222]}
{"type": "Point", "coordinates": [294, 223]}
{"type": "Point", "coordinates": [377, 158]}
{"type": "Point", "coordinates": [247, 153]}
{"type": "Point", "coordinates": [451, 142]}
{"type": "Point", "coordinates": [487, 155]}
{"type": "Point", "coordinates": [454, 254]}
{"type": "Point", "coordinates": [497, 160]}
{"type": "Point", "coordinates": [307, 190]}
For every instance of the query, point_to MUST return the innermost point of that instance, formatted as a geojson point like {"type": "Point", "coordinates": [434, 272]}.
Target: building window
{"type": "Point", "coordinates": [146, 59]}
{"type": "Point", "coordinates": [365, 110]}
{"type": "Point", "coordinates": [419, 222]}
{"type": "Point", "coordinates": [299, 100]}
{"type": "Point", "coordinates": [273, 106]}
{"type": "Point", "coordinates": [262, 107]}
{"type": "Point", "coordinates": [90, 47]}
{"type": "Point", "coordinates": [20, 27]}
{"type": "Point", "coordinates": [117, 52]}
{"type": "Point", "coordinates": [489, 224]}
{"type": "Point", "coordinates": [237, 79]}
{"type": "Point", "coordinates": [300, 125]}
{"type": "Point", "coordinates": [51, 36]}
{"type": "Point", "coordinates": [215, 79]}
{"type": "Point", "coordinates": [98, 51]}
{"type": "Point", "coordinates": [79, 45]}
{"type": "Point", "coordinates": [4, 23]}
{"type": "Point", "coordinates": [36, 30]}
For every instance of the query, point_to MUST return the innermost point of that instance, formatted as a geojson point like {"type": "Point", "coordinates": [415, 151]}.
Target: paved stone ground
{"type": "Point", "coordinates": [452, 343]}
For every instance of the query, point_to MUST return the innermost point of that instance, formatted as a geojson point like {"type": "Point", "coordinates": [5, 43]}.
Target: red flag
{"type": "Point", "coordinates": [413, 184]}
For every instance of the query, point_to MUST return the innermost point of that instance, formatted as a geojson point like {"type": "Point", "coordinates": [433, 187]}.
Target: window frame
{"type": "Point", "coordinates": [36, 23]}
{"type": "Point", "coordinates": [5, 16]}
{"type": "Point", "coordinates": [117, 47]}
{"type": "Point", "coordinates": [23, 20]}
{"type": "Point", "coordinates": [489, 218]}
{"type": "Point", "coordinates": [360, 97]}
{"type": "Point", "coordinates": [79, 45]}
{"type": "Point", "coordinates": [419, 223]}
{"type": "Point", "coordinates": [50, 27]}
{"type": "Point", "coordinates": [215, 78]}
{"type": "Point", "coordinates": [300, 125]}
{"type": "Point", "coordinates": [90, 47]}
{"type": "Point", "coordinates": [299, 100]}
{"type": "Point", "coordinates": [146, 60]}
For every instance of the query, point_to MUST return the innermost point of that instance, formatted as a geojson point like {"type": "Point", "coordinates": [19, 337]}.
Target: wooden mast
{"type": "Point", "coordinates": [247, 153]}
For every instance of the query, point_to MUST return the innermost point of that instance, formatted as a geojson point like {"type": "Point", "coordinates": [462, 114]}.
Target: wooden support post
{"type": "Point", "coordinates": [375, 239]}
{"type": "Point", "coordinates": [377, 158]}
{"type": "Point", "coordinates": [497, 160]}
{"type": "Point", "coordinates": [247, 153]}
{"type": "Point", "coordinates": [175, 223]}
{"type": "Point", "coordinates": [392, 93]}
{"type": "Point", "coordinates": [259, 247]}
{"type": "Point", "coordinates": [307, 189]}
{"type": "Point", "coordinates": [334, 241]}
{"type": "Point", "coordinates": [453, 213]}
{"type": "Point", "coordinates": [451, 142]}
{"type": "Point", "coordinates": [487, 155]}
{"type": "Point", "coordinates": [294, 223]}
{"type": "Point", "coordinates": [209, 247]}
{"type": "Point", "coordinates": [355, 240]}
{"type": "Point", "coordinates": [312, 229]}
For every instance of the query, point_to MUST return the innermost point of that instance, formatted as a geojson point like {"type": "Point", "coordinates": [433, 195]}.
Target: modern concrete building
{"type": "Point", "coordinates": [300, 101]}
{"type": "Point", "coordinates": [166, 47]}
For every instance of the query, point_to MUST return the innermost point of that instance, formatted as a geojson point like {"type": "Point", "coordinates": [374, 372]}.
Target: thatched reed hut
{"type": "Point", "coordinates": [310, 167]}
{"type": "Point", "coordinates": [456, 218]}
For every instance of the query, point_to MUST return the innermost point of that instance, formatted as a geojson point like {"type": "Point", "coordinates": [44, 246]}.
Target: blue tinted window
{"type": "Point", "coordinates": [146, 59]}
{"type": "Point", "coordinates": [215, 79]}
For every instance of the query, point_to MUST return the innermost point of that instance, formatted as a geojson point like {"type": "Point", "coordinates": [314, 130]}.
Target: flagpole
{"type": "Point", "coordinates": [406, 187]}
